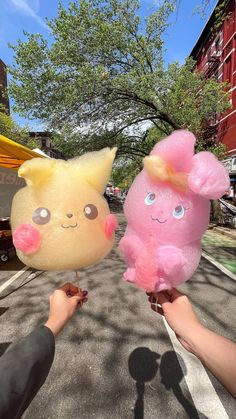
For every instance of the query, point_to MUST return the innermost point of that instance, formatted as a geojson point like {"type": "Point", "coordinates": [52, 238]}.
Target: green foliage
{"type": "Point", "coordinates": [102, 67]}
{"type": "Point", "coordinates": [124, 173]}
{"type": "Point", "coordinates": [104, 73]}
{"type": "Point", "coordinates": [192, 99]}
{"type": "Point", "coordinates": [220, 10]}
{"type": "Point", "coordinates": [10, 129]}
{"type": "Point", "coordinates": [218, 149]}
{"type": "Point", "coordinates": [130, 147]}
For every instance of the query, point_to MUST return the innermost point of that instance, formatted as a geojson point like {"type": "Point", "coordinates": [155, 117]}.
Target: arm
{"type": "Point", "coordinates": [218, 355]}
{"type": "Point", "coordinates": [25, 366]}
{"type": "Point", "coordinates": [23, 370]}
{"type": "Point", "coordinates": [63, 304]}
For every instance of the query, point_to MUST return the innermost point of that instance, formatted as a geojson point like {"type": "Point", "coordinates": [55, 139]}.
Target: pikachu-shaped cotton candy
{"type": "Point", "coordinates": [60, 219]}
{"type": "Point", "coordinates": [167, 211]}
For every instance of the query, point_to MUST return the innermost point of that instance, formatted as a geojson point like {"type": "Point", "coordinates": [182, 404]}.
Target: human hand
{"type": "Point", "coordinates": [63, 304]}
{"type": "Point", "coordinates": [179, 314]}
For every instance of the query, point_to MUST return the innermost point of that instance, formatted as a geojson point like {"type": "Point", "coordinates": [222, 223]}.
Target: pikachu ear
{"type": "Point", "coordinates": [95, 167]}
{"type": "Point", "coordinates": [36, 171]}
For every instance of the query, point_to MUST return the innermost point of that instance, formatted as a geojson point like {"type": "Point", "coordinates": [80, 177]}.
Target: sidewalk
{"type": "Point", "coordinates": [220, 244]}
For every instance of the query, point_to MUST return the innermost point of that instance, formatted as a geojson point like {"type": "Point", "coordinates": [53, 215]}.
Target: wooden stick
{"type": "Point", "coordinates": [77, 278]}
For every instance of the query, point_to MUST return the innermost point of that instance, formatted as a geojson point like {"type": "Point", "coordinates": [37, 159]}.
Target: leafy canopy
{"type": "Point", "coordinates": [104, 71]}
{"type": "Point", "coordinates": [10, 129]}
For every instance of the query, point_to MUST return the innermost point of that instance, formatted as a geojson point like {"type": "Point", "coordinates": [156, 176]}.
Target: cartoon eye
{"type": "Point", "coordinates": [90, 211]}
{"type": "Point", "coordinates": [41, 216]}
{"type": "Point", "coordinates": [178, 212]}
{"type": "Point", "coordinates": [150, 198]}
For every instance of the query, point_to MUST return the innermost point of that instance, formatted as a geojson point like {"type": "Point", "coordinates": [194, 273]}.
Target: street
{"type": "Point", "coordinates": [116, 359]}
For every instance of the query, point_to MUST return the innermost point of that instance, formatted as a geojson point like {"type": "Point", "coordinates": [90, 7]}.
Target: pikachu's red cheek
{"type": "Point", "coordinates": [110, 225]}
{"type": "Point", "coordinates": [27, 239]}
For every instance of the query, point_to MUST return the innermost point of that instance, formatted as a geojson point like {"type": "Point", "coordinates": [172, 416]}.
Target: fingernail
{"type": "Point", "coordinates": [84, 300]}
{"type": "Point", "coordinates": [84, 293]}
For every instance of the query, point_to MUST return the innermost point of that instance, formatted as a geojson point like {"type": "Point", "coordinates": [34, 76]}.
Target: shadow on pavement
{"type": "Point", "coordinates": [143, 367]}
{"type": "Point", "coordinates": [171, 376]}
{"type": "Point", "coordinates": [3, 310]}
{"type": "Point", "coordinates": [32, 276]}
{"type": "Point", "coordinates": [3, 347]}
{"type": "Point", "coordinates": [89, 377]}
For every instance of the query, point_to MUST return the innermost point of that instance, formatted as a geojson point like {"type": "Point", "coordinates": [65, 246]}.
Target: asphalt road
{"type": "Point", "coordinates": [115, 359]}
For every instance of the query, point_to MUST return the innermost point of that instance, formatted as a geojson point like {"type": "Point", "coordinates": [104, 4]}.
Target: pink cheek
{"type": "Point", "coordinates": [110, 225]}
{"type": "Point", "coordinates": [27, 239]}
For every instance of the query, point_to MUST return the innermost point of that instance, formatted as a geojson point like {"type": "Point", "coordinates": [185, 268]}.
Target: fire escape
{"type": "Point", "coordinates": [211, 128]}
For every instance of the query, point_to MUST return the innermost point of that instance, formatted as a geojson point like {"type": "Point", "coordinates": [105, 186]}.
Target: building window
{"type": "Point", "coordinates": [44, 143]}
{"type": "Point", "coordinates": [216, 74]}
{"type": "Point", "coordinates": [217, 44]}
{"type": "Point", "coordinates": [228, 47]}
{"type": "Point", "coordinates": [208, 54]}
{"type": "Point", "coordinates": [228, 69]}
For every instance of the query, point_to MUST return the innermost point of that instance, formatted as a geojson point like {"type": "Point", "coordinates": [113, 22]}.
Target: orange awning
{"type": "Point", "coordinates": [12, 154]}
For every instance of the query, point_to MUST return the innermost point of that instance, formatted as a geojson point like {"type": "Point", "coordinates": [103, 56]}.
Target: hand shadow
{"type": "Point", "coordinates": [143, 367]}
{"type": "Point", "coordinates": [171, 376]}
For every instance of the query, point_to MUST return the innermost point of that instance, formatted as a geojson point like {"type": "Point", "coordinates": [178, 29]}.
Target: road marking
{"type": "Point", "coordinates": [199, 384]}
{"type": "Point", "coordinates": [219, 266]}
{"type": "Point", "coordinates": [13, 278]}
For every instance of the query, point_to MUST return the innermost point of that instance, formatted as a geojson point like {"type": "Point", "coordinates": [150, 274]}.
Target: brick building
{"type": "Point", "coordinates": [45, 144]}
{"type": "Point", "coordinates": [215, 55]}
{"type": "Point", "coordinates": [4, 102]}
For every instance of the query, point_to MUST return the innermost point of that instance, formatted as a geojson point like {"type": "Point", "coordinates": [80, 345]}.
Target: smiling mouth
{"type": "Point", "coordinates": [159, 221]}
{"type": "Point", "coordinates": [69, 226]}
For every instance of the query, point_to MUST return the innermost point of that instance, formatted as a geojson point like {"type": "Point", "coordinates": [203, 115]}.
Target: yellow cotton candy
{"type": "Point", "coordinates": [63, 203]}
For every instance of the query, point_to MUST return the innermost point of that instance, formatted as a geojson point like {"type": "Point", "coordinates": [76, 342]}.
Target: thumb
{"type": "Point", "coordinates": [75, 300]}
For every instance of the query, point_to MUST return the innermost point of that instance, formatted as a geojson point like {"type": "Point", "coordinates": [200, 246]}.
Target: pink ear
{"type": "Point", "coordinates": [110, 226]}
{"type": "Point", "coordinates": [26, 238]}
{"type": "Point", "coordinates": [208, 177]}
{"type": "Point", "coordinates": [177, 150]}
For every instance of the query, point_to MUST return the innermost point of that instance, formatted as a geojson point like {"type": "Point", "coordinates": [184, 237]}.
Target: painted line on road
{"type": "Point", "coordinates": [219, 266]}
{"type": "Point", "coordinates": [202, 391]}
{"type": "Point", "coordinates": [13, 278]}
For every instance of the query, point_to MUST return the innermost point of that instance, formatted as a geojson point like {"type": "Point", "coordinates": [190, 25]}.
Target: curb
{"type": "Point", "coordinates": [224, 232]}
{"type": "Point", "coordinates": [219, 266]}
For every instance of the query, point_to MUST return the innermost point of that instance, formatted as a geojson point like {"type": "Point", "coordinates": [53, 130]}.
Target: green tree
{"type": "Point", "coordinates": [10, 129]}
{"type": "Point", "coordinates": [104, 70]}
{"type": "Point", "coordinates": [131, 146]}
{"type": "Point", "coordinates": [124, 172]}
{"type": "Point", "coordinates": [221, 11]}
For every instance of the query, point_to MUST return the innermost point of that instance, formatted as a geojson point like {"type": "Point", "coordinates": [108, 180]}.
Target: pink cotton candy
{"type": "Point", "coordinates": [166, 218]}
{"type": "Point", "coordinates": [110, 225]}
{"type": "Point", "coordinates": [208, 178]}
{"type": "Point", "coordinates": [27, 239]}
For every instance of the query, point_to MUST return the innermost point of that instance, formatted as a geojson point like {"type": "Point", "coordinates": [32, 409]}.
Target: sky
{"type": "Point", "coordinates": [30, 15]}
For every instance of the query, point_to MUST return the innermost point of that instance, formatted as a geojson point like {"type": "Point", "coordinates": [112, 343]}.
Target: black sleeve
{"type": "Point", "coordinates": [23, 370]}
